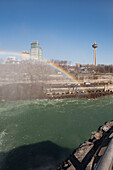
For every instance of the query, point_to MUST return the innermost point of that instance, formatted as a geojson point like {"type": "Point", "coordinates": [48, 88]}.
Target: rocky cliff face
{"type": "Point", "coordinates": [21, 91]}
{"type": "Point", "coordinates": [38, 81]}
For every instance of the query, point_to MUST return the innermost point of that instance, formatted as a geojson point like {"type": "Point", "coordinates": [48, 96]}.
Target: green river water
{"type": "Point", "coordinates": [47, 130]}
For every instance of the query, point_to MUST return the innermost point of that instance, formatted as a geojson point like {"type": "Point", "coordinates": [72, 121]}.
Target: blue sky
{"type": "Point", "coordinates": [65, 29]}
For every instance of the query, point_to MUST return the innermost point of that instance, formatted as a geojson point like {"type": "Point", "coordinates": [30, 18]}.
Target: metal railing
{"type": "Point", "coordinates": [106, 161]}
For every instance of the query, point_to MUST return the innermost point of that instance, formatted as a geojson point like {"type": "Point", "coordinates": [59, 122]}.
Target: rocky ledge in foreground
{"type": "Point", "coordinates": [88, 154]}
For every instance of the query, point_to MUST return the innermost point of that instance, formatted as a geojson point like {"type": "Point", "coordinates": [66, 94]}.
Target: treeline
{"type": "Point", "coordinates": [101, 68]}
{"type": "Point", "coordinates": [104, 68]}
{"type": "Point", "coordinates": [61, 62]}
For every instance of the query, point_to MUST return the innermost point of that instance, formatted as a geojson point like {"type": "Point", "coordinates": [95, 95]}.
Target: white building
{"type": "Point", "coordinates": [36, 51]}
{"type": "Point", "coordinates": [25, 56]}
{"type": "Point", "coordinates": [11, 60]}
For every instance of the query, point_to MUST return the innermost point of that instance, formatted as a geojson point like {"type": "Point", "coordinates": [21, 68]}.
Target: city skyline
{"type": "Point", "coordinates": [65, 29]}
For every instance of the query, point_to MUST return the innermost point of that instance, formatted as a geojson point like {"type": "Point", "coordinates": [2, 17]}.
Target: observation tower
{"type": "Point", "coordinates": [94, 46]}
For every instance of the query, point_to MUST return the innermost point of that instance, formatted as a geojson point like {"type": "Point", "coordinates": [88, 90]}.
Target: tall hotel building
{"type": "Point", "coordinates": [36, 51]}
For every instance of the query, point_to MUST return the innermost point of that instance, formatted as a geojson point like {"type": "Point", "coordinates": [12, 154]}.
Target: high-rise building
{"type": "Point", "coordinates": [36, 51]}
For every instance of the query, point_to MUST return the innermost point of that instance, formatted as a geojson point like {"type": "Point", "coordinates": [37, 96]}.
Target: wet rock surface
{"type": "Point", "coordinates": [88, 154]}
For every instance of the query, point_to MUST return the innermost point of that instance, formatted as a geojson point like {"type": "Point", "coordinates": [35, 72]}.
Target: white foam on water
{"type": "Point", "coordinates": [2, 135]}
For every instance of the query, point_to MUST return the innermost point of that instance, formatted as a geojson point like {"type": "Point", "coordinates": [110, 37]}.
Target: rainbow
{"type": "Point", "coordinates": [67, 74]}
{"type": "Point", "coordinates": [53, 65]}
{"type": "Point", "coordinates": [10, 53]}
